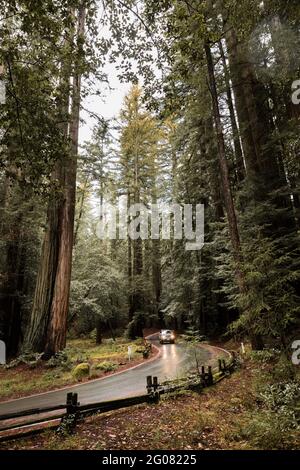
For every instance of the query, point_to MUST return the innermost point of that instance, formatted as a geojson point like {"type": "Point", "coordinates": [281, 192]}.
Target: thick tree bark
{"type": "Point", "coordinates": [240, 167]}
{"type": "Point", "coordinates": [137, 246]}
{"type": "Point", "coordinates": [81, 211]}
{"type": "Point", "coordinates": [13, 236]}
{"type": "Point", "coordinates": [12, 285]}
{"type": "Point", "coordinates": [99, 332]}
{"type": "Point", "coordinates": [12, 273]}
{"type": "Point", "coordinates": [57, 329]}
{"type": "Point", "coordinates": [228, 199]}
{"type": "Point", "coordinates": [255, 119]}
{"type": "Point", "coordinates": [263, 158]}
{"type": "Point", "coordinates": [129, 265]}
{"type": "Point", "coordinates": [257, 343]}
{"type": "Point", "coordinates": [113, 335]}
{"type": "Point", "coordinates": [137, 297]}
{"type": "Point", "coordinates": [210, 152]}
{"type": "Point", "coordinates": [156, 273]}
{"type": "Point", "coordinates": [47, 329]}
{"type": "Point", "coordinates": [36, 332]}
{"type": "Point", "coordinates": [235, 62]}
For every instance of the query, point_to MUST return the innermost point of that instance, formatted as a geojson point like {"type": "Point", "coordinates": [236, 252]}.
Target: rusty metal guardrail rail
{"type": "Point", "coordinates": [64, 417]}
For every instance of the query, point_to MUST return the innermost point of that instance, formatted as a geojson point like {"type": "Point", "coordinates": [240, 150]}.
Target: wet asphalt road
{"type": "Point", "coordinates": [174, 361]}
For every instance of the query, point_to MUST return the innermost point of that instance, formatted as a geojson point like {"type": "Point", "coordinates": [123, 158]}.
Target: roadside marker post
{"type": "Point", "coordinates": [2, 353]}
{"type": "Point", "coordinates": [129, 353]}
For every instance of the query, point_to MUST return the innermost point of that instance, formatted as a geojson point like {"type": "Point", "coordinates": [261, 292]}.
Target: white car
{"type": "Point", "coordinates": [167, 336]}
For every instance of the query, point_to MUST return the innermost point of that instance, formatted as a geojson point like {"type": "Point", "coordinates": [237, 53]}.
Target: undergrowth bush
{"type": "Point", "coordinates": [265, 356]}
{"type": "Point", "coordinates": [106, 366]}
{"type": "Point", "coordinates": [60, 359]}
{"type": "Point", "coordinates": [31, 360]}
{"type": "Point", "coordinates": [272, 430]}
{"type": "Point", "coordinates": [277, 423]}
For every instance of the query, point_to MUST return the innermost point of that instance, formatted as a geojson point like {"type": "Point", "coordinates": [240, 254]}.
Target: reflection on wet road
{"type": "Point", "coordinates": [174, 361]}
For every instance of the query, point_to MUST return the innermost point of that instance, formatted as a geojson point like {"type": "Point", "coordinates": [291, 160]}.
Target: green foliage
{"type": "Point", "coordinates": [192, 335]}
{"type": "Point", "coordinates": [276, 425]}
{"type": "Point", "coordinates": [61, 360]}
{"type": "Point", "coordinates": [106, 366]}
{"type": "Point", "coordinates": [136, 325]}
{"type": "Point", "coordinates": [266, 356]}
{"type": "Point", "coordinates": [81, 371]}
{"type": "Point", "coordinates": [97, 288]}
{"type": "Point", "coordinates": [144, 349]}
{"type": "Point", "coordinates": [31, 360]}
{"type": "Point", "coordinates": [270, 304]}
{"type": "Point", "coordinates": [139, 146]}
{"type": "Point", "coordinates": [32, 49]}
{"type": "Point", "coordinates": [265, 431]}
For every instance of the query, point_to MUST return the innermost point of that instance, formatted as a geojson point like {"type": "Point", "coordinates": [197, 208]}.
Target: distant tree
{"type": "Point", "coordinates": [138, 159]}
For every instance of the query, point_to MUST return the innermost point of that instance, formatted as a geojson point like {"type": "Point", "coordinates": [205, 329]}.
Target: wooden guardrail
{"type": "Point", "coordinates": [75, 412]}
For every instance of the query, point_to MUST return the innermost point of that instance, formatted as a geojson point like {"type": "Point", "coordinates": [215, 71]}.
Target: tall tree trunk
{"type": "Point", "coordinates": [228, 199]}
{"type": "Point", "coordinates": [137, 245]}
{"type": "Point", "coordinates": [57, 329]}
{"type": "Point", "coordinates": [210, 149]}
{"type": "Point", "coordinates": [13, 240]}
{"type": "Point", "coordinates": [13, 276]}
{"type": "Point", "coordinates": [156, 271]}
{"type": "Point", "coordinates": [81, 210]}
{"type": "Point", "coordinates": [36, 333]}
{"type": "Point", "coordinates": [235, 63]}
{"type": "Point", "coordinates": [129, 265]}
{"type": "Point", "coordinates": [240, 168]}
{"type": "Point", "coordinates": [99, 331]}
{"type": "Point", "coordinates": [257, 130]}
{"type": "Point", "coordinates": [255, 119]}
{"type": "Point", "coordinates": [137, 298]}
{"type": "Point", "coordinates": [256, 340]}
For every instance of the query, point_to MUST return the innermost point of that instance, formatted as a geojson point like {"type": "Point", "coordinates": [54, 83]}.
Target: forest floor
{"type": "Point", "coordinates": [35, 377]}
{"type": "Point", "coordinates": [229, 415]}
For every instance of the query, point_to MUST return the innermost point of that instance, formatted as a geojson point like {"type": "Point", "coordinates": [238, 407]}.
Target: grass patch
{"type": "Point", "coordinates": [106, 366]}
{"type": "Point", "coordinates": [25, 379]}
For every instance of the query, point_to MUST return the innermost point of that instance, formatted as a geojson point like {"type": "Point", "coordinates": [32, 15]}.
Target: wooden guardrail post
{"type": "Point", "coordinates": [69, 420]}
{"type": "Point", "coordinates": [222, 365]}
{"type": "Point", "coordinates": [206, 377]}
{"type": "Point", "coordinates": [149, 383]}
{"type": "Point", "coordinates": [72, 403]}
{"type": "Point", "coordinates": [69, 403]}
{"type": "Point", "coordinates": [152, 388]}
{"type": "Point", "coordinates": [202, 375]}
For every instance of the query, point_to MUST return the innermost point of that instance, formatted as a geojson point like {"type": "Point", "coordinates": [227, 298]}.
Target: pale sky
{"type": "Point", "coordinates": [108, 105]}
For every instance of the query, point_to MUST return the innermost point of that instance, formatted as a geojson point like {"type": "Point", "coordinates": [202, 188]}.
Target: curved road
{"type": "Point", "coordinates": [174, 360]}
